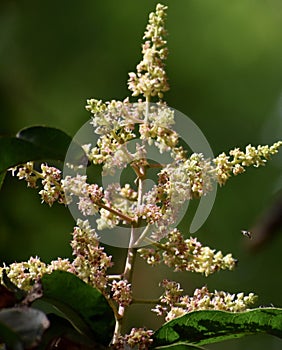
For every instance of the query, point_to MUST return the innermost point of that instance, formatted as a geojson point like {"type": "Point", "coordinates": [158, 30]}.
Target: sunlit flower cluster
{"type": "Point", "coordinates": [26, 172]}
{"type": "Point", "coordinates": [173, 292]}
{"type": "Point", "coordinates": [113, 115]}
{"type": "Point", "coordinates": [138, 338]}
{"type": "Point", "coordinates": [50, 179]}
{"type": "Point", "coordinates": [60, 264]}
{"type": "Point", "coordinates": [121, 292]}
{"type": "Point", "coordinates": [237, 160]}
{"type": "Point", "coordinates": [52, 190]}
{"type": "Point", "coordinates": [186, 179]}
{"type": "Point", "coordinates": [25, 274]}
{"type": "Point", "coordinates": [174, 304]}
{"type": "Point", "coordinates": [115, 125]}
{"type": "Point", "coordinates": [89, 203]}
{"type": "Point", "coordinates": [151, 79]}
{"type": "Point", "coordinates": [187, 255]}
{"type": "Point", "coordinates": [150, 212]}
{"type": "Point", "coordinates": [91, 262]}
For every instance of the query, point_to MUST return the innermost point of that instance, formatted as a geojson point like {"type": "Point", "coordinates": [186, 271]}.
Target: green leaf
{"type": "Point", "coordinates": [52, 139]}
{"type": "Point", "coordinates": [82, 305]}
{"type": "Point", "coordinates": [34, 143]}
{"type": "Point", "coordinates": [209, 326]}
{"type": "Point", "coordinates": [22, 327]}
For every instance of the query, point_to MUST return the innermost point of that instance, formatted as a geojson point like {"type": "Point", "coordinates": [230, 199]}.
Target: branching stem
{"type": "Point", "coordinates": [127, 275]}
{"type": "Point", "coordinates": [117, 212]}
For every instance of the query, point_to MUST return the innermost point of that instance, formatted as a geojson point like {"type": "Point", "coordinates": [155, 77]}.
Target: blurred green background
{"type": "Point", "coordinates": [225, 70]}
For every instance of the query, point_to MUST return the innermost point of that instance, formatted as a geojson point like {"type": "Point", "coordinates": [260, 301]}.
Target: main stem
{"type": "Point", "coordinates": [131, 252]}
{"type": "Point", "coordinates": [127, 275]}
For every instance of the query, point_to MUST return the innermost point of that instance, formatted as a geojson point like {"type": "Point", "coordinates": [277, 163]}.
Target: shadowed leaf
{"type": "Point", "coordinates": [82, 305]}
{"type": "Point", "coordinates": [209, 326]}
{"type": "Point", "coordinates": [34, 143]}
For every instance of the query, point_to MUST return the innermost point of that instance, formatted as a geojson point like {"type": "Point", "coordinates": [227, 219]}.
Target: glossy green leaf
{"type": "Point", "coordinates": [209, 326]}
{"type": "Point", "coordinates": [82, 305]}
{"type": "Point", "coordinates": [52, 139]}
{"type": "Point", "coordinates": [34, 143]}
{"type": "Point", "coordinates": [22, 327]}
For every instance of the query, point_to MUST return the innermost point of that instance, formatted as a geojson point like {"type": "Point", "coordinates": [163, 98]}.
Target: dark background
{"type": "Point", "coordinates": [225, 70]}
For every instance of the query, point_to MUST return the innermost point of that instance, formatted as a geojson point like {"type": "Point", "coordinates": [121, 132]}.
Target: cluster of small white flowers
{"type": "Point", "coordinates": [151, 79]}
{"type": "Point", "coordinates": [164, 138]}
{"type": "Point", "coordinates": [118, 159]}
{"type": "Point", "coordinates": [107, 220]}
{"type": "Point", "coordinates": [177, 188]}
{"type": "Point", "coordinates": [89, 204]}
{"type": "Point", "coordinates": [150, 212]}
{"type": "Point", "coordinates": [117, 204]}
{"type": "Point", "coordinates": [74, 186]}
{"type": "Point", "coordinates": [89, 195]}
{"type": "Point", "coordinates": [173, 292]}
{"type": "Point", "coordinates": [138, 338]}
{"type": "Point", "coordinates": [183, 179]}
{"type": "Point", "coordinates": [25, 274]}
{"type": "Point", "coordinates": [177, 183]}
{"type": "Point", "coordinates": [60, 264]}
{"type": "Point", "coordinates": [166, 223]}
{"type": "Point", "coordinates": [154, 122]}
{"type": "Point", "coordinates": [202, 299]}
{"type": "Point", "coordinates": [189, 178]}
{"type": "Point", "coordinates": [187, 255]}
{"type": "Point", "coordinates": [107, 116]}
{"type": "Point", "coordinates": [50, 179]}
{"type": "Point", "coordinates": [124, 198]}
{"type": "Point", "coordinates": [52, 190]}
{"type": "Point", "coordinates": [91, 262]}
{"type": "Point", "coordinates": [161, 115]}
{"type": "Point", "coordinates": [128, 193]}
{"type": "Point", "coordinates": [152, 256]}
{"type": "Point", "coordinates": [174, 304]}
{"type": "Point", "coordinates": [26, 172]}
{"type": "Point", "coordinates": [163, 213]}
{"type": "Point", "coordinates": [115, 115]}
{"type": "Point", "coordinates": [157, 128]}
{"type": "Point", "coordinates": [111, 150]}
{"type": "Point", "coordinates": [122, 293]}
{"type": "Point", "coordinates": [237, 160]}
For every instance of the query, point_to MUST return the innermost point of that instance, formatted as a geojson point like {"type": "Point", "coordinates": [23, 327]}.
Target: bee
{"type": "Point", "coordinates": [247, 233]}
